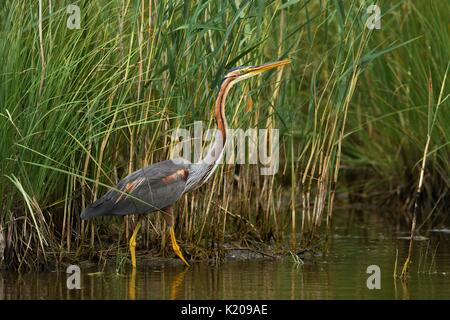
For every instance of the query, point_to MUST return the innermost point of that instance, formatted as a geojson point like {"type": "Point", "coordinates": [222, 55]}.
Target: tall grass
{"type": "Point", "coordinates": [80, 109]}
{"type": "Point", "coordinates": [401, 110]}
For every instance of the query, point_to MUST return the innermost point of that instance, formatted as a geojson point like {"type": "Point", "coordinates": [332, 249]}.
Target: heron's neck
{"type": "Point", "coordinates": [215, 153]}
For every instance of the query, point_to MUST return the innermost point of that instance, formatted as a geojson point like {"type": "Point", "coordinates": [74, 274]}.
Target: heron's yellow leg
{"type": "Point", "coordinates": [133, 244]}
{"type": "Point", "coordinates": [175, 246]}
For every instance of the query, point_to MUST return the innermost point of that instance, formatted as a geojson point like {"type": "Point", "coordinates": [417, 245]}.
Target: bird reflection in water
{"type": "Point", "coordinates": [176, 285]}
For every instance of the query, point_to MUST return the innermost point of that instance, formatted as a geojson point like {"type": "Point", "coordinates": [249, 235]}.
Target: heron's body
{"type": "Point", "coordinates": [153, 188]}
{"type": "Point", "coordinates": [158, 186]}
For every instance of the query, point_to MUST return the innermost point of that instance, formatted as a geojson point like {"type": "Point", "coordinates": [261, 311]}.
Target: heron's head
{"type": "Point", "coordinates": [241, 73]}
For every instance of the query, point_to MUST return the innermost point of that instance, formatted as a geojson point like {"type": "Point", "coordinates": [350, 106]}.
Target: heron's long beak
{"type": "Point", "coordinates": [268, 66]}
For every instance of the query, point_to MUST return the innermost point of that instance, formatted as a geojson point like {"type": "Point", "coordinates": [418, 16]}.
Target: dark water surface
{"type": "Point", "coordinates": [338, 273]}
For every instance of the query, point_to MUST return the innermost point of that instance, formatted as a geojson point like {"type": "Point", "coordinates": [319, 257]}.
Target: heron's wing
{"type": "Point", "coordinates": [146, 190]}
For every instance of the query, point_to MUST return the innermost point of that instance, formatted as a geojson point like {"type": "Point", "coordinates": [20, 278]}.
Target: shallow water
{"type": "Point", "coordinates": [338, 273]}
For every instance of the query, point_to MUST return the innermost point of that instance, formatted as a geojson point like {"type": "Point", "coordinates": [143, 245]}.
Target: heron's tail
{"type": "Point", "coordinates": [100, 207]}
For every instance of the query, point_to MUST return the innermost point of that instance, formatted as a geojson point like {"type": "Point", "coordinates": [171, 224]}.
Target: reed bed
{"type": "Point", "coordinates": [82, 108]}
{"type": "Point", "coordinates": [401, 118]}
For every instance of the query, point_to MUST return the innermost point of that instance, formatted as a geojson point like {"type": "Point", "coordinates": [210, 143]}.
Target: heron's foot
{"type": "Point", "coordinates": [133, 245]}
{"type": "Point", "coordinates": [176, 247]}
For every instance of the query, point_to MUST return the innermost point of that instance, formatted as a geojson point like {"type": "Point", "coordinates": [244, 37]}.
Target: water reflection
{"type": "Point", "coordinates": [340, 273]}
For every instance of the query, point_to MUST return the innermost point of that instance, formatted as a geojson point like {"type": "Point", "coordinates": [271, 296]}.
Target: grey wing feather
{"type": "Point", "coordinates": [149, 189]}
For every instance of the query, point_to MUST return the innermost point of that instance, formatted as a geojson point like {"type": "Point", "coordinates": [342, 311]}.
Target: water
{"type": "Point", "coordinates": [338, 273]}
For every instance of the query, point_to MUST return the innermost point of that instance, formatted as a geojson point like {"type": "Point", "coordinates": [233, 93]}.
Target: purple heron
{"type": "Point", "coordinates": [158, 186]}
